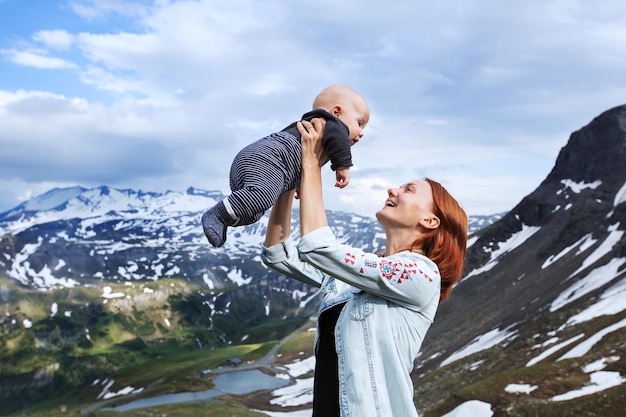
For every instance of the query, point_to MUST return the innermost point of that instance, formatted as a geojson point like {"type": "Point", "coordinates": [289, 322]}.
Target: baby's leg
{"type": "Point", "coordinates": [215, 221]}
{"type": "Point", "coordinates": [260, 173]}
{"type": "Point", "coordinates": [257, 189]}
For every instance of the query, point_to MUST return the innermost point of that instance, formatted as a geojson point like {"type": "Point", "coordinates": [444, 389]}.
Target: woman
{"type": "Point", "coordinates": [375, 309]}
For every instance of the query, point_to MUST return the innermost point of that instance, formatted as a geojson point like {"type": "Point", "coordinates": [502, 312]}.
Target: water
{"type": "Point", "coordinates": [243, 382]}
{"type": "Point", "coordinates": [181, 397]}
{"type": "Point", "coordinates": [239, 382]}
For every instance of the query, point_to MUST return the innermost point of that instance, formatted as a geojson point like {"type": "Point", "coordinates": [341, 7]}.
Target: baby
{"type": "Point", "coordinates": [265, 169]}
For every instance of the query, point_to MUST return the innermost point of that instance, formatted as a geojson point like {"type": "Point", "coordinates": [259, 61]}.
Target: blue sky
{"type": "Point", "coordinates": [160, 95]}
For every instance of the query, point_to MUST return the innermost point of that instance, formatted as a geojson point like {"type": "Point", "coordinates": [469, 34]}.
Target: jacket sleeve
{"type": "Point", "coordinates": [283, 258]}
{"type": "Point", "coordinates": [336, 138]}
{"type": "Point", "coordinates": [337, 144]}
{"type": "Point", "coordinates": [406, 279]}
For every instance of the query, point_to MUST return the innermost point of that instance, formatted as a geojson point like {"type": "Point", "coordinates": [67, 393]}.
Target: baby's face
{"type": "Point", "coordinates": [355, 116]}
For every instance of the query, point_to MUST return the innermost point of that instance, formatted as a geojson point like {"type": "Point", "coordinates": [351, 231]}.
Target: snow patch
{"type": "Point", "coordinates": [600, 364]}
{"type": "Point", "coordinates": [517, 239]}
{"type": "Point", "coordinates": [620, 197]}
{"type": "Point", "coordinates": [610, 302]}
{"type": "Point", "coordinates": [107, 292]}
{"type": "Point", "coordinates": [235, 275]}
{"type": "Point", "coordinates": [107, 394]}
{"type": "Point", "coordinates": [302, 367]}
{"type": "Point", "coordinates": [297, 413]}
{"type": "Point", "coordinates": [614, 238]}
{"type": "Point", "coordinates": [584, 347]}
{"type": "Point", "coordinates": [520, 388]}
{"type": "Point", "coordinates": [577, 187]}
{"type": "Point", "coordinates": [553, 349]}
{"type": "Point", "coordinates": [207, 281]}
{"type": "Point", "coordinates": [594, 280]}
{"type": "Point", "coordinates": [585, 242]}
{"type": "Point", "coordinates": [299, 393]}
{"type": "Point", "coordinates": [484, 342]}
{"type": "Point", "coordinates": [600, 381]}
{"type": "Point", "coordinates": [472, 408]}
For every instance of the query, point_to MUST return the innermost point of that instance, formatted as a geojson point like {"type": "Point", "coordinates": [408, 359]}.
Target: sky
{"type": "Point", "coordinates": [480, 95]}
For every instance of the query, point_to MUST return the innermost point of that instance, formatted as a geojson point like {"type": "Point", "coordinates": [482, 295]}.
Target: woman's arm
{"type": "Point", "coordinates": [279, 250]}
{"type": "Point", "coordinates": [279, 223]}
{"type": "Point", "coordinates": [409, 280]}
{"type": "Point", "coordinates": [413, 281]}
{"type": "Point", "coordinates": [312, 211]}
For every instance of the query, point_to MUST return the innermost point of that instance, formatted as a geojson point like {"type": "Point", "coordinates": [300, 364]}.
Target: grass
{"type": "Point", "coordinates": [166, 374]}
{"type": "Point", "coordinates": [204, 409]}
{"type": "Point", "coordinates": [293, 348]}
{"type": "Point", "coordinates": [179, 372]}
{"type": "Point", "coordinates": [550, 379]}
{"type": "Point", "coordinates": [155, 363]}
{"type": "Point", "coordinates": [550, 376]}
{"type": "Point", "coordinates": [609, 403]}
{"type": "Point", "coordinates": [168, 361]}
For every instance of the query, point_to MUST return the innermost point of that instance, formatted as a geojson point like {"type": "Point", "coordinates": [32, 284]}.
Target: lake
{"type": "Point", "coordinates": [236, 382]}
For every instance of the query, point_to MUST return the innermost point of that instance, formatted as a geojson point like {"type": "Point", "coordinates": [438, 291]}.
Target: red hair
{"type": "Point", "coordinates": [446, 245]}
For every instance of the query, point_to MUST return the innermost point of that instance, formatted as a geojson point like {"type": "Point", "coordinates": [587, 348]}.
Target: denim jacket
{"type": "Point", "coordinates": [391, 303]}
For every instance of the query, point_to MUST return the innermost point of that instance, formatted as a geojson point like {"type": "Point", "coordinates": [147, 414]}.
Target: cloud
{"type": "Point", "coordinates": [37, 59]}
{"type": "Point", "coordinates": [55, 39]}
{"type": "Point", "coordinates": [479, 95]}
{"type": "Point", "coordinates": [98, 9]}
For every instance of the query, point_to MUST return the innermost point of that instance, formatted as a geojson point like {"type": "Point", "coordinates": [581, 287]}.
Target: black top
{"type": "Point", "coordinates": [326, 379]}
{"type": "Point", "coordinates": [336, 139]}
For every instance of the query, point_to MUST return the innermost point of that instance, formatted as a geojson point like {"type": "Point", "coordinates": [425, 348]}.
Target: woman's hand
{"type": "Point", "coordinates": [311, 138]}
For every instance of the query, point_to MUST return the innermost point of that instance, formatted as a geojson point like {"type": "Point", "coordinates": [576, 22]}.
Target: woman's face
{"type": "Point", "coordinates": [407, 205]}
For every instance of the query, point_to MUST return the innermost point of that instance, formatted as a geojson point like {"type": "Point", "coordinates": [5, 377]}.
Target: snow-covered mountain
{"type": "Point", "coordinates": [71, 236]}
{"type": "Point", "coordinates": [540, 315]}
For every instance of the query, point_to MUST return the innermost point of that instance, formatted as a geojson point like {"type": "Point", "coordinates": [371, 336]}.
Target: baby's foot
{"type": "Point", "coordinates": [214, 228]}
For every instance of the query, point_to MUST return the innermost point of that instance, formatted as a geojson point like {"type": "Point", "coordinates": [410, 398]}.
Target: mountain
{"type": "Point", "coordinates": [536, 327]}
{"type": "Point", "coordinates": [129, 271]}
{"type": "Point", "coordinates": [73, 236]}
{"type": "Point", "coordinates": [541, 309]}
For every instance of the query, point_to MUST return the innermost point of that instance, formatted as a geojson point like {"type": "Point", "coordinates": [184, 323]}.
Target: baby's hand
{"type": "Point", "coordinates": [342, 175]}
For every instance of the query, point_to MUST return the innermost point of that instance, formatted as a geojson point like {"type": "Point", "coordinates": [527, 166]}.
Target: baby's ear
{"type": "Point", "coordinates": [337, 110]}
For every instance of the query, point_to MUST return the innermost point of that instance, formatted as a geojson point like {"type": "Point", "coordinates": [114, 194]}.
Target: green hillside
{"type": "Point", "coordinates": [156, 335]}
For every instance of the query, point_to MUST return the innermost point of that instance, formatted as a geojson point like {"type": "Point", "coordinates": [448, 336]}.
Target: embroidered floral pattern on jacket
{"type": "Point", "coordinates": [389, 269]}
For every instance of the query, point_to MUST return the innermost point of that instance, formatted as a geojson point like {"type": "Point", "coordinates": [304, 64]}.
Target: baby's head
{"type": "Point", "coordinates": [347, 105]}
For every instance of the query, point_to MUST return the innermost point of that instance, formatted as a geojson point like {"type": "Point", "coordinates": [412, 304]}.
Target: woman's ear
{"type": "Point", "coordinates": [431, 222]}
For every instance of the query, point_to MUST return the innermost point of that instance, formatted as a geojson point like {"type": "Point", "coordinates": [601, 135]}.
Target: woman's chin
{"type": "Point", "coordinates": [380, 214]}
